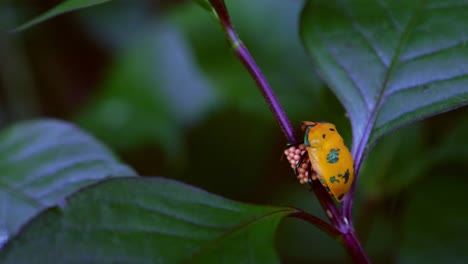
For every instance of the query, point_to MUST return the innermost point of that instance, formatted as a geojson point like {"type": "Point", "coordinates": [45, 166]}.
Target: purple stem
{"type": "Point", "coordinates": [328, 206]}
{"type": "Point", "coordinates": [246, 59]}
{"type": "Point", "coordinates": [354, 248]}
{"type": "Point", "coordinates": [358, 155]}
{"type": "Point", "coordinates": [243, 54]}
{"type": "Point", "coordinates": [326, 227]}
{"type": "Point", "coordinates": [341, 223]}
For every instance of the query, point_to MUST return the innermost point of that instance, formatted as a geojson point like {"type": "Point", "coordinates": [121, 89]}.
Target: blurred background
{"type": "Point", "coordinates": [157, 83]}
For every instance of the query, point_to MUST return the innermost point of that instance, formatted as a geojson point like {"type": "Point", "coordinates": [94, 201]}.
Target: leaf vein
{"type": "Point", "coordinates": [359, 150]}
{"type": "Point", "coordinates": [343, 68]}
{"type": "Point", "coordinates": [462, 102]}
{"type": "Point", "coordinates": [451, 78]}
{"type": "Point", "coordinates": [169, 214]}
{"type": "Point", "coordinates": [389, 13]}
{"type": "Point", "coordinates": [71, 166]}
{"type": "Point", "coordinates": [133, 230]}
{"type": "Point", "coordinates": [18, 193]}
{"type": "Point", "coordinates": [358, 29]}
{"type": "Point", "coordinates": [418, 56]}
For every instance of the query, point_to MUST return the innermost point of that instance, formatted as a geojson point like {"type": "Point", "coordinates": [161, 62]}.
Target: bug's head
{"type": "Point", "coordinates": [317, 133]}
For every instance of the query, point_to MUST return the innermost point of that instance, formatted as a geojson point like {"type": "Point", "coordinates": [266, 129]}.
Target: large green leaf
{"type": "Point", "coordinates": [389, 62]}
{"type": "Point", "coordinates": [41, 162]}
{"type": "Point", "coordinates": [148, 220]}
{"type": "Point", "coordinates": [64, 7]}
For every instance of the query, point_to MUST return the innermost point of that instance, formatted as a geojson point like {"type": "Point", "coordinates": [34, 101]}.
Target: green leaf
{"type": "Point", "coordinates": [64, 7]}
{"type": "Point", "coordinates": [41, 162]}
{"type": "Point", "coordinates": [389, 62]}
{"type": "Point", "coordinates": [148, 220]}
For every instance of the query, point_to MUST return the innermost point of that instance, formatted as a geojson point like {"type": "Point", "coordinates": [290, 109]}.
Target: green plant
{"type": "Point", "coordinates": [390, 63]}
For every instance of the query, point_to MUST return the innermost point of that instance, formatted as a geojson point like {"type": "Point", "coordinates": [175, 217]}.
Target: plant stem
{"type": "Point", "coordinates": [243, 54]}
{"type": "Point", "coordinates": [324, 226]}
{"type": "Point", "coordinates": [354, 248]}
{"type": "Point", "coordinates": [328, 205]}
{"type": "Point", "coordinates": [245, 57]}
{"type": "Point", "coordinates": [358, 155]}
{"type": "Point", "coordinates": [341, 223]}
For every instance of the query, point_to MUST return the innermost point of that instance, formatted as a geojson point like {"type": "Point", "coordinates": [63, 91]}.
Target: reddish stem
{"type": "Point", "coordinates": [326, 227]}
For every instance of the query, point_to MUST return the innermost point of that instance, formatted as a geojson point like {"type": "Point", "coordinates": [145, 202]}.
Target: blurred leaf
{"type": "Point", "coordinates": [382, 238]}
{"type": "Point", "coordinates": [451, 150]}
{"type": "Point", "coordinates": [151, 91]}
{"type": "Point", "coordinates": [405, 156]}
{"type": "Point", "coordinates": [64, 7]}
{"type": "Point", "coordinates": [41, 162]}
{"type": "Point", "coordinates": [435, 221]}
{"type": "Point", "coordinates": [148, 220]}
{"type": "Point", "coordinates": [389, 62]}
{"type": "Point", "coordinates": [453, 146]}
{"type": "Point", "coordinates": [116, 26]}
{"type": "Point", "coordinates": [395, 162]}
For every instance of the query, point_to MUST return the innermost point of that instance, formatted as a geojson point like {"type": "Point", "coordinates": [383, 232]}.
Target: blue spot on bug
{"type": "Point", "coordinates": [332, 156]}
{"type": "Point", "coordinates": [333, 179]}
{"type": "Point", "coordinates": [344, 176]}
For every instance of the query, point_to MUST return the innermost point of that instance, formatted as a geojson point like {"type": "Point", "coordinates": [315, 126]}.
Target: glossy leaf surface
{"type": "Point", "coordinates": [150, 220]}
{"type": "Point", "coordinates": [389, 62]}
{"type": "Point", "coordinates": [41, 162]}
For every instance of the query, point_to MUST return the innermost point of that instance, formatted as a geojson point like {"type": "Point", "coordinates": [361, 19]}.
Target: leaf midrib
{"type": "Point", "coordinates": [359, 152]}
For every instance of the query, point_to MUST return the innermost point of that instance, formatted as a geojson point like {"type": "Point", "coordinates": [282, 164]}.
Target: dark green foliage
{"type": "Point", "coordinates": [157, 82]}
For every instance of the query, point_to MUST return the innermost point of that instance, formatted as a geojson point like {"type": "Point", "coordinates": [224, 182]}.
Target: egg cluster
{"type": "Point", "coordinates": [294, 154]}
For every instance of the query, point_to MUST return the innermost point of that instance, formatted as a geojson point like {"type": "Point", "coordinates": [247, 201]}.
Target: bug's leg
{"type": "Point", "coordinates": [299, 163]}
